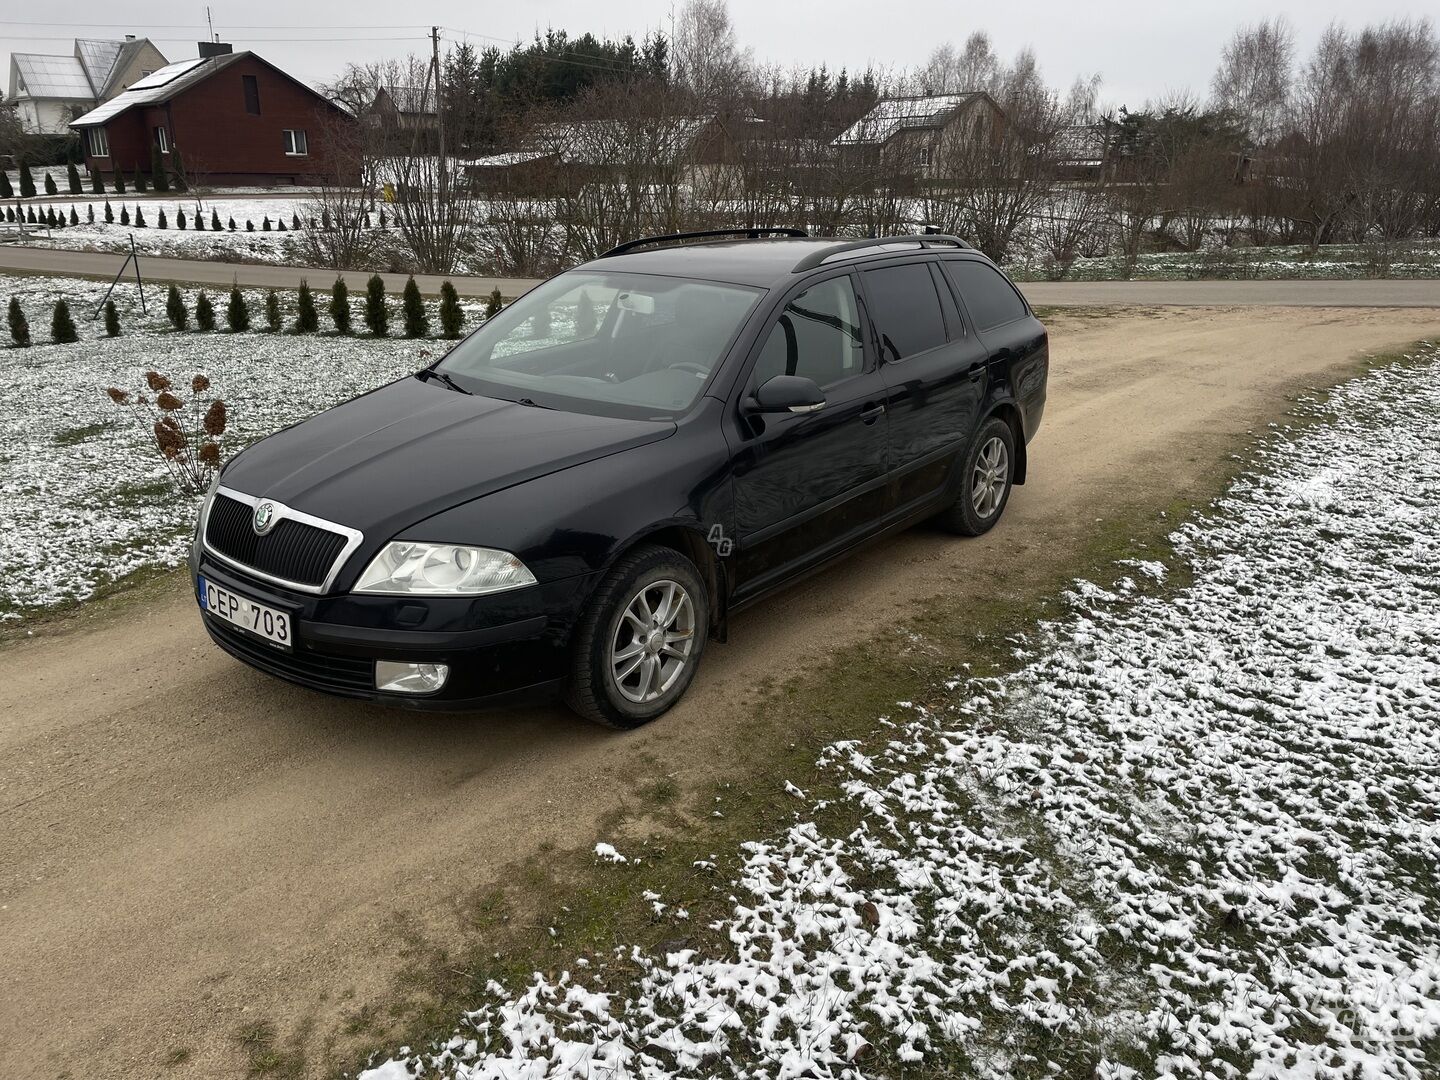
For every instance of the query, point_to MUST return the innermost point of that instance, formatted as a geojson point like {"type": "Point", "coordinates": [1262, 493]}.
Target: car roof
{"type": "Point", "coordinates": [763, 263]}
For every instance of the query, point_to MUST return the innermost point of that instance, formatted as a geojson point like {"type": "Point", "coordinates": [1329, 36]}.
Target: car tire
{"type": "Point", "coordinates": [987, 473]}
{"type": "Point", "coordinates": [603, 686]}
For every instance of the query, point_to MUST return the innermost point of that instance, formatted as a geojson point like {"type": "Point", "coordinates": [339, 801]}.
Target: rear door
{"type": "Point", "coordinates": [934, 370]}
{"type": "Point", "coordinates": [809, 484]}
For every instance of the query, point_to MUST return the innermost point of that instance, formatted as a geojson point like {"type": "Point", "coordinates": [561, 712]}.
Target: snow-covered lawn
{"type": "Point", "coordinates": [1418, 259]}
{"type": "Point", "coordinates": [86, 499]}
{"type": "Point", "coordinates": [1195, 834]}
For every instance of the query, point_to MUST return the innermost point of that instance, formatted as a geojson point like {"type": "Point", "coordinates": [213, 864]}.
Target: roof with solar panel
{"type": "Point", "coordinates": [159, 86]}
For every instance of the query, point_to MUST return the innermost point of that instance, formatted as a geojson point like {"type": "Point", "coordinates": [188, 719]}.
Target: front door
{"type": "Point", "coordinates": [809, 484]}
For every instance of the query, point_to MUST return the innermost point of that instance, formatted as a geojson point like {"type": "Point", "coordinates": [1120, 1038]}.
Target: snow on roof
{"type": "Point", "coordinates": [97, 57]}
{"type": "Point", "coordinates": [44, 76]}
{"type": "Point", "coordinates": [892, 114]}
{"type": "Point", "coordinates": [1082, 144]}
{"type": "Point", "coordinates": [158, 86]}
{"type": "Point", "coordinates": [168, 74]}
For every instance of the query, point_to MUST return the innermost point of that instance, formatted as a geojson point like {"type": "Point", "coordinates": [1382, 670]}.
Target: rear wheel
{"type": "Point", "coordinates": [638, 645]}
{"type": "Point", "coordinates": [989, 468]}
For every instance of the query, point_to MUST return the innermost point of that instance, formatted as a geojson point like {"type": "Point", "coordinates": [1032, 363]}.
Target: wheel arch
{"type": "Point", "coordinates": [1010, 413]}
{"type": "Point", "coordinates": [689, 539]}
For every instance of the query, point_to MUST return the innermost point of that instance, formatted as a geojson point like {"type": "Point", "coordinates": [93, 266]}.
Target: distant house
{"type": "Point", "coordinates": [915, 138]}
{"type": "Point", "coordinates": [49, 90]}
{"type": "Point", "coordinates": [689, 150]}
{"type": "Point", "coordinates": [1081, 152]}
{"type": "Point", "coordinates": [234, 117]}
{"type": "Point", "coordinates": [404, 108]}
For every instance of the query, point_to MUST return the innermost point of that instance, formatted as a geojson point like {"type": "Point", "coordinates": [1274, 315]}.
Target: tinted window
{"type": "Point", "coordinates": [817, 336]}
{"type": "Point", "coordinates": [906, 310]}
{"type": "Point", "coordinates": [990, 299]}
{"type": "Point", "coordinates": [252, 94]}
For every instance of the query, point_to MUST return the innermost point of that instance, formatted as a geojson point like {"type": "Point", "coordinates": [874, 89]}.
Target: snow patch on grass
{"type": "Point", "coordinates": [1194, 835]}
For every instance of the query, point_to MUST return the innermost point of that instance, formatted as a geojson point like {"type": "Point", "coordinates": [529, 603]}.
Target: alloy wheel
{"type": "Point", "coordinates": [653, 641]}
{"type": "Point", "coordinates": [991, 475]}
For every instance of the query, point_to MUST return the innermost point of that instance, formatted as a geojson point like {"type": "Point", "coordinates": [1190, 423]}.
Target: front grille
{"type": "Point", "coordinates": [292, 550]}
{"type": "Point", "coordinates": [342, 674]}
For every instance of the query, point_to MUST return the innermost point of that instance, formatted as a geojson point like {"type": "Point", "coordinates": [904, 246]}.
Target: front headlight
{"type": "Point", "coordinates": [410, 568]}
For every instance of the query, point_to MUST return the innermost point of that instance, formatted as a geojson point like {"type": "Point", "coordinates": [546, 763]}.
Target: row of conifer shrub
{"type": "Point", "coordinates": [60, 219]}
{"type": "Point", "coordinates": [375, 313]}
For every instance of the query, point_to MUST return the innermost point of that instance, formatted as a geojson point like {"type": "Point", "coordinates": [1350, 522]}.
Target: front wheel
{"type": "Point", "coordinates": [638, 645]}
{"type": "Point", "coordinates": [989, 468]}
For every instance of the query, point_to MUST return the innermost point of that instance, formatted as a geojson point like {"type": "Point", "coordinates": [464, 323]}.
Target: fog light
{"type": "Point", "coordinates": [410, 678]}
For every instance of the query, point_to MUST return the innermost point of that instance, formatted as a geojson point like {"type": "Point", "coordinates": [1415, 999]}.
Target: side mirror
{"type": "Point", "coordinates": [787, 393]}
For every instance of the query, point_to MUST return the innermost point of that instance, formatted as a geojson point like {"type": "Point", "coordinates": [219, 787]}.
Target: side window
{"type": "Point", "coordinates": [817, 336]}
{"type": "Point", "coordinates": [906, 309]}
{"type": "Point", "coordinates": [991, 300]}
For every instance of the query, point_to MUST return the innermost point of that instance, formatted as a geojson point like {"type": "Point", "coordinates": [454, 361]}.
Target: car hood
{"type": "Point", "coordinates": [409, 450]}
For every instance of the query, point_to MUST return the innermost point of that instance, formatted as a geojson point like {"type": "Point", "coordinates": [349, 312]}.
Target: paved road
{"type": "Point", "coordinates": [1047, 293]}
{"type": "Point", "coordinates": [256, 275]}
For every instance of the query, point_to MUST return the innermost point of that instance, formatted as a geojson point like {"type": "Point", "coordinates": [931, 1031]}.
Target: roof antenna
{"type": "Point", "coordinates": [211, 24]}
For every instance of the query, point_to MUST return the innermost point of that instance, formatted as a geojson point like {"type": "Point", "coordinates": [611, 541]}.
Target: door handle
{"type": "Point", "coordinates": [975, 370]}
{"type": "Point", "coordinates": [871, 413]}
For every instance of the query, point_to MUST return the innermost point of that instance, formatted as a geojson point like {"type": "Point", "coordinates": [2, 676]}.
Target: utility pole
{"type": "Point", "coordinates": [439, 108]}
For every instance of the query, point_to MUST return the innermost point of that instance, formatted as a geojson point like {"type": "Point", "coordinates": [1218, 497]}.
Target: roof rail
{"type": "Point", "coordinates": [815, 258]}
{"type": "Point", "coordinates": [711, 234]}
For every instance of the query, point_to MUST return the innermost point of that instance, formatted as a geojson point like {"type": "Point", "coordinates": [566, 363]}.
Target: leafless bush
{"type": "Point", "coordinates": [187, 427]}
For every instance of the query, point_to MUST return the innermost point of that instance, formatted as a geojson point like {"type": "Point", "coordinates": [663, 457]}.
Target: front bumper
{"type": "Point", "coordinates": [497, 647]}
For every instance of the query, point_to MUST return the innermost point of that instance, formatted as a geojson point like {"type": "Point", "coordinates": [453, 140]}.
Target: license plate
{"type": "Point", "coordinates": [262, 621]}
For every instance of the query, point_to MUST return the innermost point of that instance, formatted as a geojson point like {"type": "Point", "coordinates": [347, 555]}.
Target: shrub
{"type": "Point", "coordinates": [62, 326]}
{"type": "Point", "coordinates": [307, 320]}
{"type": "Point", "coordinates": [280, 226]}
{"type": "Point", "coordinates": [6, 191]}
{"type": "Point", "coordinates": [50, 188]}
{"type": "Point", "coordinates": [19, 325]}
{"type": "Point", "coordinates": [493, 303]}
{"type": "Point", "coordinates": [27, 181]}
{"type": "Point", "coordinates": [417, 322]}
{"type": "Point", "coordinates": [295, 221]}
{"type": "Point", "coordinates": [161, 222]}
{"type": "Point", "coordinates": [139, 217]}
{"type": "Point", "coordinates": [97, 183]}
{"type": "Point", "coordinates": [199, 220]}
{"type": "Point", "coordinates": [340, 305]}
{"type": "Point", "coordinates": [452, 319]}
{"type": "Point", "coordinates": [175, 309]}
{"type": "Point", "coordinates": [119, 181]}
{"type": "Point", "coordinates": [157, 168]}
{"type": "Point", "coordinates": [177, 170]}
{"type": "Point", "coordinates": [179, 217]}
{"type": "Point", "coordinates": [191, 452]}
{"type": "Point", "coordinates": [124, 215]}
{"type": "Point", "coordinates": [265, 223]}
{"type": "Point", "coordinates": [139, 179]}
{"type": "Point", "coordinates": [272, 311]}
{"type": "Point", "coordinates": [249, 225]}
{"type": "Point", "coordinates": [109, 213]}
{"type": "Point", "coordinates": [112, 319]}
{"type": "Point", "coordinates": [232, 224]}
{"type": "Point", "coordinates": [237, 312]}
{"type": "Point", "coordinates": [377, 314]}
{"type": "Point", "coordinates": [74, 217]}
{"type": "Point", "coordinates": [204, 312]}
{"type": "Point", "coordinates": [215, 225]}
{"type": "Point", "coordinates": [30, 216]}
{"type": "Point", "coordinates": [72, 178]}
{"type": "Point", "coordinates": [50, 216]}
{"type": "Point", "coordinates": [382, 219]}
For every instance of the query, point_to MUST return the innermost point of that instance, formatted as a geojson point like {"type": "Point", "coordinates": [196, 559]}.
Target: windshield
{"type": "Point", "coordinates": [596, 341]}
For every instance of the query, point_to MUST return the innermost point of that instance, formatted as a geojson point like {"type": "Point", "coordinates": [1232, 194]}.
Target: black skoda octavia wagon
{"type": "Point", "coordinates": [580, 493]}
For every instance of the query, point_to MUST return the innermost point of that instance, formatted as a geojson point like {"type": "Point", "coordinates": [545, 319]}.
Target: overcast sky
{"type": "Point", "coordinates": [1141, 49]}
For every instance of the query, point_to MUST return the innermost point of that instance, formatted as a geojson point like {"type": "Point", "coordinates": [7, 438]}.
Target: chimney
{"type": "Point", "coordinates": [214, 48]}
{"type": "Point", "coordinates": [129, 37]}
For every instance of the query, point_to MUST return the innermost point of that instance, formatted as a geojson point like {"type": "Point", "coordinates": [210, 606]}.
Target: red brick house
{"type": "Point", "coordinates": [235, 118]}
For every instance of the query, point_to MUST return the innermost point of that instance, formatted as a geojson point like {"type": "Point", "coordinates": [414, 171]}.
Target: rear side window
{"type": "Point", "coordinates": [905, 309]}
{"type": "Point", "coordinates": [817, 336]}
{"type": "Point", "coordinates": [990, 299]}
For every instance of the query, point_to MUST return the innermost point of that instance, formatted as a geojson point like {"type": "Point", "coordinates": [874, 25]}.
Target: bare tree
{"type": "Point", "coordinates": [1254, 77]}
{"type": "Point", "coordinates": [708, 61]}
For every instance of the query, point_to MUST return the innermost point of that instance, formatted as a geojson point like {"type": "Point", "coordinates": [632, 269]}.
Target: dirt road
{"type": "Point", "coordinates": [188, 844]}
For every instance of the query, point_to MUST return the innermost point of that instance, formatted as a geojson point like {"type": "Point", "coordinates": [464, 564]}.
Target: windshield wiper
{"type": "Point", "coordinates": [530, 403]}
{"type": "Point", "coordinates": [446, 379]}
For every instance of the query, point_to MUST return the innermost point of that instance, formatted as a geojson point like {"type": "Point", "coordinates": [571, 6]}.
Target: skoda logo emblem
{"type": "Point", "coordinates": [264, 518]}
